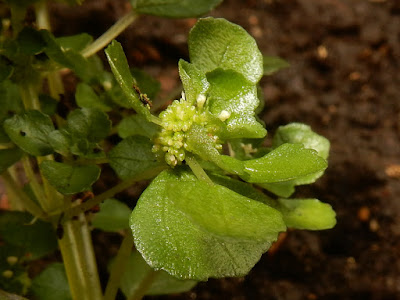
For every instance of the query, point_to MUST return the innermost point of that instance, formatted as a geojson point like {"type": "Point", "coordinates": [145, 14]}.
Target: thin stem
{"type": "Point", "coordinates": [42, 15]}
{"type": "Point", "coordinates": [144, 285]}
{"type": "Point", "coordinates": [78, 256]}
{"type": "Point", "coordinates": [26, 202]}
{"type": "Point", "coordinates": [110, 34]}
{"type": "Point", "coordinates": [118, 267]}
{"type": "Point", "coordinates": [114, 190]}
{"type": "Point", "coordinates": [197, 169]}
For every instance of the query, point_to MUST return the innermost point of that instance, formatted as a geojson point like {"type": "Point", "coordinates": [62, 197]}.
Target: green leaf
{"type": "Point", "coordinates": [133, 156]}
{"type": "Point", "coordinates": [174, 8]}
{"type": "Point", "coordinates": [217, 43]}
{"type": "Point", "coordinates": [281, 189]}
{"type": "Point", "coordinates": [273, 64]}
{"type": "Point", "coordinates": [68, 179]}
{"type": "Point", "coordinates": [37, 238]}
{"type": "Point", "coordinates": [89, 123]}
{"type": "Point", "coordinates": [30, 41]}
{"type": "Point", "coordinates": [76, 42]}
{"type": "Point", "coordinates": [137, 270]}
{"type": "Point", "coordinates": [10, 103]}
{"type": "Point", "coordinates": [287, 162]}
{"type": "Point", "coordinates": [194, 230]}
{"type": "Point", "coordinates": [86, 97]}
{"type": "Point", "coordinates": [120, 68]}
{"type": "Point", "coordinates": [52, 284]}
{"type": "Point", "coordinates": [48, 105]}
{"type": "Point", "coordinates": [8, 157]}
{"type": "Point", "coordinates": [194, 81]}
{"type": "Point", "coordinates": [30, 131]}
{"type": "Point", "coordinates": [309, 214]}
{"type": "Point", "coordinates": [113, 216]}
{"type": "Point", "coordinates": [231, 93]}
{"type": "Point", "coordinates": [297, 133]}
{"type": "Point", "coordinates": [137, 125]}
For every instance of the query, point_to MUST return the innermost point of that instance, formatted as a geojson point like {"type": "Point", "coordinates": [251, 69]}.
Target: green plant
{"type": "Point", "coordinates": [204, 213]}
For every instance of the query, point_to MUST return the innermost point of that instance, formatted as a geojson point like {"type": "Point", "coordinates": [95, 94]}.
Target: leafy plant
{"type": "Point", "coordinates": [204, 214]}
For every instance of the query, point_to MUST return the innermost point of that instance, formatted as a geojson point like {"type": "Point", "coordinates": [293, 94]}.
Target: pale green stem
{"type": "Point", "coordinates": [42, 15]}
{"type": "Point", "coordinates": [111, 192]}
{"type": "Point", "coordinates": [197, 169]}
{"type": "Point", "coordinates": [144, 285]}
{"type": "Point", "coordinates": [4, 146]}
{"type": "Point", "coordinates": [24, 199]}
{"type": "Point", "coordinates": [110, 34]}
{"type": "Point", "coordinates": [79, 261]}
{"type": "Point", "coordinates": [29, 97]}
{"type": "Point", "coordinates": [118, 266]}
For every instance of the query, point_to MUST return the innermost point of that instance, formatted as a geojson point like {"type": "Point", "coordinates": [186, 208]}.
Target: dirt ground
{"type": "Point", "coordinates": [344, 81]}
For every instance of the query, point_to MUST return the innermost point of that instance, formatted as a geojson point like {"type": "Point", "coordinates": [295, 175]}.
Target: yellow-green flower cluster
{"type": "Point", "coordinates": [176, 121]}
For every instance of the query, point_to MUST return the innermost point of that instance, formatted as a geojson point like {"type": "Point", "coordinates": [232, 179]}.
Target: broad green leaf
{"type": "Point", "coordinates": [68, 179]}
{"type": "Point", "coordinates": [76, 42]}
{"type": "Point", "coordinates": [273, 64]}
{"type": "Point", "coordinates": [215, 234]}
{"type": "Point", "coordinates": [137, 270]}
{"type": "Point", "coordinates": [232, 94]}
{"type": "Point", "coordinates": [297, 133]}
{"type": "Point", "coordinates": [85, 96]}
{"type": "Point", "coordinates": [113, 216]}
{"type": "Point", "coordinates": [174, 8]}
{"type": "Point", "coordinates": [89, 123]}
{"type": "Point", "coordinates": [30, 131]}
{"type": "Point", "coordinates": [37, 238]}
{"type": "Point", "coordinates": [8, 157]}
{"type": "Point", "coordinates": [309, 214]}
{"type": "Point", "coordinates": [194, 81]}
{"type": "Point", "coordinates": [6, 68]}
{"type": "Point", "coordinates": [287, 162]}
{"type": "Point", "coordinates": [132, 157]}
{"type": "Point", "coordinates": [52, 284]}
{"type": "Point", "coordinates": [147, 84]}
{"type": "Point", "coordinates": [30, 41]}
{"type": "Point", "coordinates": [217, 43]}
{"type": "Point", "coordinates": [281, 189]}
{"type": "Point", "coordinates": [120, 68]}
{"type": "Point", "coordinates": [137, 125]}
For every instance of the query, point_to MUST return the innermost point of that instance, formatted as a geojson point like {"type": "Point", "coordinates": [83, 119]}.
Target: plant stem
{"type": "Point", "coordinates": [42, 15]}
{"type": "Point", "coordinates": [110, 34]}
{"type": "Point", "coordinates": [118, 267]}
{"type": "Point", "coordinates": [144, 285]}
{"type": "Point", "coordinates": [114, 190]}
{"type": "Point", "coordinates": [197, 169]}
{"type": "Point", "coordinates": [27, 202]}
{"type": "Point", "coordinates": [80, 264]}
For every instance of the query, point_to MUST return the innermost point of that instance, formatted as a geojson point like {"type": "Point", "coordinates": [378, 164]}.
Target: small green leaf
{"type": "Point", "coordinates": [174, 8]}
{"type": "Point", "coordinates": [120, 68]}
{"type": "Point", "coordinates": [76, 42]}
{"type": "Point", "coordinates": [52, 284]}
{"type": "Point", "coordinates": [48, 105]}
{"type": "Point", "coordinates": [137, 270]}
{"type": "Point", "coordinates": [8, 157]}
{"type": "Point", "coordinates": [30, 41]}
{"type": "Point", "coordinates": [10, 103]}
{"type": "Point", "coordinates": [281, 189]}
{"type": "Point", "coordinates": [86, 97]}
{"type": "Point", "coordinates": [194, 81]}
{"type": "Point", "coordinates": [113, 216]}
{"type": "Point", "coordinates": [38, 238]}
{"type": "Point", "coordinates": [273, 64]}
{"type": "Point", "coordinates": [232, 94]}
{"type": "Point", "coordinates": [68, 179]}
{"type": "Point", "coordinates": [89, 123]}
{"type": "Point", "coordinates": [132, 157]}
{"type": "Point", "coordinates": [287, 162]}
{"type": "Point", "coordinates": [6, 68]}
{"type": "Point", "coordinates": [216, 234]}
{"type": "Point", "coordinates": [30, 131]}
{"type": "Point", "coordinates": [217, 43]}
{"type": "Point", "coordinates": [137, 125]}
{"type": "Point", "coordinates": [309, 214]}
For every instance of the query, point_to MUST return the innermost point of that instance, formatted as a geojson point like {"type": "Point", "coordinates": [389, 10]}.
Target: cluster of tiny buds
{"type": "Point", "coordinates": [176, 120]}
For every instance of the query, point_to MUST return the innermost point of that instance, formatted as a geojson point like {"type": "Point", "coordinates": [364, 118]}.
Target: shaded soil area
{"type": "Point", "coordinates": [344, 81]}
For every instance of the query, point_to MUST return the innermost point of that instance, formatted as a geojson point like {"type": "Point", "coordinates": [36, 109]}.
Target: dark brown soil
{"type": "Point", "coordinates": [344, 81]}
